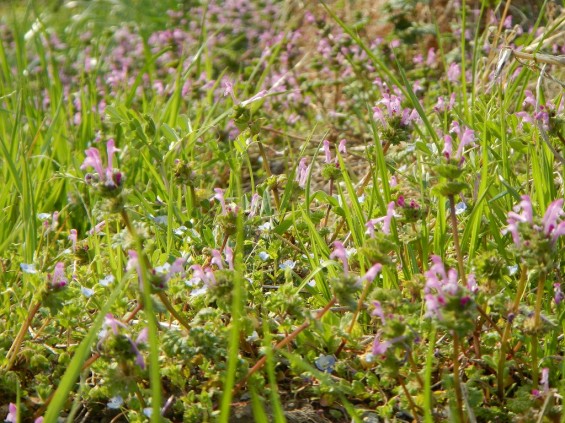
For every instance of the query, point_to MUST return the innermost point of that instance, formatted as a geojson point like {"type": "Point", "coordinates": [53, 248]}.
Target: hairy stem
{"type": "Point", "coordinates": [537, 327]}
{"type": "Point", "coordinates": [506, 333]}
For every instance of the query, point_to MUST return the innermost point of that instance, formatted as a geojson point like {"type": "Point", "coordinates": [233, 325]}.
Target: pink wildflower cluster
{"type": "Point", "coordinates": [327, 151]}
{"type": "Point", "coordinates": [393, 109]}
{"type": "Point", "coordinates": [552, 227]}
{"type": "Point", "coordinates": [466, 137]}
{"type": "Point", "coordinates": [536, 113]}
{"type": "Point", "coordinates": [107, 176]}
{"type": "Point", "coordinates": [442, 286]}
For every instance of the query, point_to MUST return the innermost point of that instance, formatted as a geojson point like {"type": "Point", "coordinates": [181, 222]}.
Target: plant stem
{"type": "Point", "coordinates": [325, 223]}
{"type": "Point", "coordinates": [261, 362]}
{"type": "Point", "coordinates": [165, 300]}
{"type": "Point", "coordinates": [453, 217]}
{"type": "Point", "coordinates": [269, 174]}
{"type": "Point", "coordinates": [457, 379]}
{"type": "Point", "coordinates": [153, 338]}
{"type": "Point", "coordinates": [15, 348]}
{"type": "Point", "coordinates": [506, 333]}
{"type": "Point", "coordinates": [537, 325]}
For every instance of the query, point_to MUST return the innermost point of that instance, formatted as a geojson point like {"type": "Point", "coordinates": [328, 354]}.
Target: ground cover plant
{"type": "Point", "coordinates": [282, 211]}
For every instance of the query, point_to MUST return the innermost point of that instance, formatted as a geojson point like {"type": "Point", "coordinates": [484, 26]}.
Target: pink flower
{"type": "Point", "coordinates": [467, 138]}
{"type": "Point", "coordinates": [558, 295]}
{"type": "Point", "coordinates": [380, 347]}
{"type": "Point", "coordinates": [228, 253]}
{"type": "Point", "coordinates": [111, 322]}
{"type": "Point", "coordinates": [327, 151]}
{"type": "Point", "coordinates": [73, 237]}
{"type": "Point", "coordinates": [453, 72]}
{"type": "Point", "coordinates": [253, 207]}
{"type": "Point", "coordinates": [302, 173]}
{"type": "Point", "coordinates": [12, 413]}
{"type": "Point", "coordinates": [217, 259]}
{"type": "Point", "coordinates": [378, 311]}
{"type": "Point", "coordinates": [431, 59]}
{"type": "Point", "coordinates": [340, 253]}
{"type": "Point", "coordinates": [107, 175]}
{"type": "Point", "coordinates": [341, 148]}
{"type": "Point", "coordinates": [544, 380]}
{"type": "Point", "coordinates": [385, 220]}
{"type": "Point", "coordinates": [220, 197]}
{"type": "Point", "coordinates": [447, 146]}
{"type": "Point", "coordinates": [58, 279]}
{"type": "Point", "coordinates": [554, 211]}
{"type": "Point", "coordinates": [373, 271]}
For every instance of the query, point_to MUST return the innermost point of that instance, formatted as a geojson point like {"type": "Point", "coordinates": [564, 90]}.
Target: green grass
{"type": "Point", "coordinates": [241, 283]}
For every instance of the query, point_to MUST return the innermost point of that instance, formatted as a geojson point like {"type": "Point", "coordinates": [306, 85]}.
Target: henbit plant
{"type": "Point", "coordinates": [376, 267]}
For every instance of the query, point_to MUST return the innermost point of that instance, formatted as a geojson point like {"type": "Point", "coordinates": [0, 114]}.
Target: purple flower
{"type": "Point", "coordinates": [228, 253]}
{"type": "Point", "coordinates": [340, 253]}
{"type": "Point", "coordinates": [204, 275]}
{"type": "Point", "coordinates": [558, 295]}
{"type": "Point", "coordinates": [380, 347]}
{"type": "Point", "coordinates": [98, 228]}
{"type": "Point", "coordinates": [372, 273]}
{"type": "Point", "coordinates": [327, 151]}
{"type": "Point", "coordinates": [552, 226]}
{"type": "Point", "coordinates": [302, 173]}
{"type": "Point", "coordinates": [385, 220]}
{"type": "Point", "coordinates": [467, 138]}
{"type": "Point", "coordinates": [111, 322]}
{"type": "Point", "coordinates": [139, 341]}
{"type": "Point", "coordinates": [378, 311]}
{"type": "Point", "coordinates": [342, 148]}
{"type": "Point", "coordinates": [220, 197]}
{"type": "Point", "coordinates": [133, 262]}
{"type": "Point", "coordinates": [441, 284]}
{"type": "Point", "coordinates": [554, 211]}
{"type": "Point", "coordinates": [107, 175]}
{"type": "Point", "coordinates": [253, 207]}
{"type": "Point", "coordinates": [217, 259]}
{"type": "Point", "coordinates": [544, 380]}
{"type": "Point", "coordinates": [73, 237]}
{"type": "Point", "coordinates": [453, 72]}
{"type": "Point", "coordinates": [58, 278]}
{"type": "Point", "coordinates": [12, 413]}
{"type": "Point", "coordinates": [431, 59]}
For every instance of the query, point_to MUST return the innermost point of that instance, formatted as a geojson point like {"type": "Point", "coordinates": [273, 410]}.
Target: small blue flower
{"type": "Point", "coordinates": [115, 402]}
{"type": "Point", "coordinates": [87, 292]}
{"type": "Point", "coordinates": [180, 230]}
{"type": "Point", "coordinates": [325, 363]}
{"type": "Point", "coordinates": [265, 227]}
{"type": "Point", "coordinates": [160, 220]}
{"type": "Point", "coordinates": [28, 268]}
{"type": "Point", "coordinates": [287, 264]}
{"type": "Point", "coordinates": [263, 255]}
{"type": "Point", "coordinates": [107, 280]}
{"type": "Point", "coordinates": [460, 208]}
